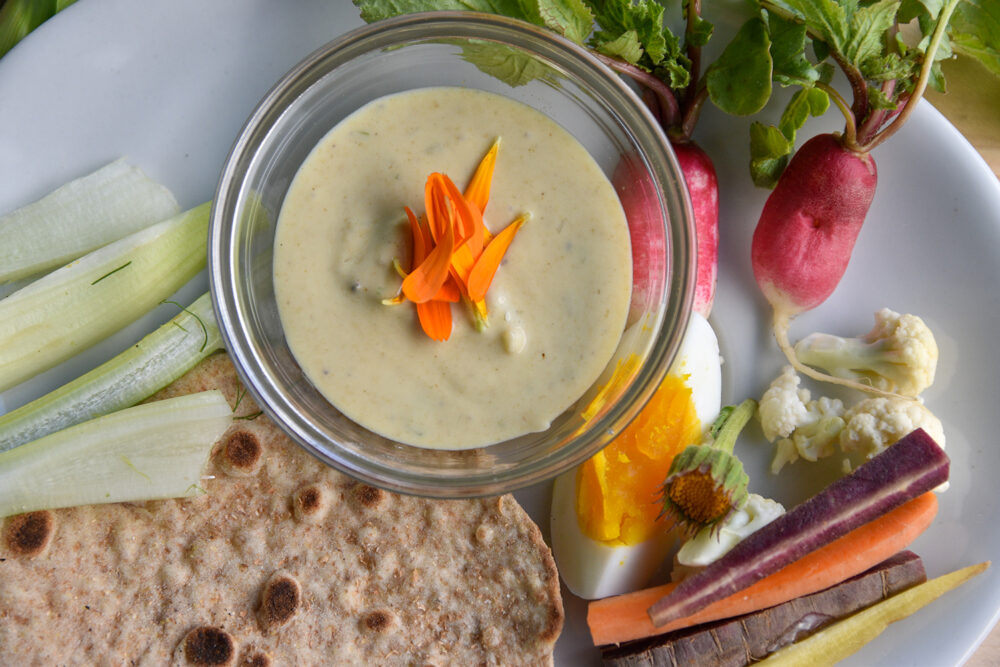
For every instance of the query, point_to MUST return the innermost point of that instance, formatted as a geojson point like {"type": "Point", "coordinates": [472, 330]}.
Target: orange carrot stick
{"type": "Point", "coordinates": [481, 276]}
{"type": "Point", "coordinates": [435, 319]}
{"type": "Point", "coordinates": [478, 189]}
{"type": "Point", "coordinates": [624, 617]}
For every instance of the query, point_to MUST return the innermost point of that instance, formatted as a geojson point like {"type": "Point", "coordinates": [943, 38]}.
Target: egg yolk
{"type": "Point", "coordinates": [618, 490]}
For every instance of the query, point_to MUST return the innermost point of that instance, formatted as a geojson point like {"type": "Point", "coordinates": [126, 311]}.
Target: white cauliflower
{"type": "Point", "coordinates": [802, 427]}
{"type": "Point", "coordinates": [898, 355]}
{"type": "Point", "coordinates": [782, 408]}
{"type": "Point", "coordinates": [711, 543]}
{"type": "Point", "coordinates": [875, 423]}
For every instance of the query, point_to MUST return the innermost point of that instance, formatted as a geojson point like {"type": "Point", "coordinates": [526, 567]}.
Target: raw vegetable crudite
{"type": "Point", "coordinates": [82, 303]}
{"type": "Point", "coordinates": [846, 637]}
{"type": "Point", "coordinates": [135, 374]}
{"type": "Point", "coordinates": [78, 217]}
{"type": "Point", "coordinates": [807, 230]}
{"type": "Point", "coordinates": [899, 354]}
{"type": "Point", "coordinates": [625, 618]}
{"type": "Point", "coordinates": [911, 467]}
{"type": "Point", "coordinates": [813, 429]}
{"type": "Point", "coordinates": [154, 450]}
{"type": "Point", "coordinates": [745, 639]}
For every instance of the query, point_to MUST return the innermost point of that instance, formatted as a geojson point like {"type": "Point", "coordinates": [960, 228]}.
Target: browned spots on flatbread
{"type": "Point", "coordinates": [280, 599]}
{"type": "Point", "coordinates": [256, 659]}
{"type": "Point", "coordinates": [241, 454]}
{"type": "Point", "coordinates": [311, 503]}
{"type": "Point", "coordinates": [209, 646]}
{"type": "Point", "coordinates": [378, 621]}
{"type": "Point", "coordinates": [29, 535]}
{"type": "Point", "coordinates": [369, 496]}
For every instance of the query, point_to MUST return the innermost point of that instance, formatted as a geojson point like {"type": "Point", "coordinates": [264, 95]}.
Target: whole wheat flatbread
{"type": "Point", "coordinates": [283, 562]}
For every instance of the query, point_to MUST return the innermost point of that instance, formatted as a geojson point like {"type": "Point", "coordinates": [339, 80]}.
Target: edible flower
{"type": "Point", "coordinates": [706, 482]}
{"type": "Point", "coordinates": [455, 257]}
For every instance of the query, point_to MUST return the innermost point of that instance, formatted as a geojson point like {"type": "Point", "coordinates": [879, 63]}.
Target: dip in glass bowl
{"type": "Point", "coordinates": [261, 194]}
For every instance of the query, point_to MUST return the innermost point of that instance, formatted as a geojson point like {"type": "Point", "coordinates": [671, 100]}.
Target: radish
{"type": "Point", "coordinates": [807, 230]}
{"type": "Point", "coordinates": [703, 186]}
{"type": "Point", "coordinates": [635, 189]}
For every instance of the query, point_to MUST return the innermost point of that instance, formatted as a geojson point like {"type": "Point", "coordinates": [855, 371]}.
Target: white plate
{"type": "Point", "coordinates": [168, 83]}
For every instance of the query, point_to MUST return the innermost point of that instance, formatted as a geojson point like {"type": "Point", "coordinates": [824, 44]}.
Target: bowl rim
{"type": "Point", "coordinates": [679, 293]}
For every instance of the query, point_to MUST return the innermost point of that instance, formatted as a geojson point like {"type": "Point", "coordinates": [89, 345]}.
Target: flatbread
{"type": "Point", "coordinates": [283, 562]}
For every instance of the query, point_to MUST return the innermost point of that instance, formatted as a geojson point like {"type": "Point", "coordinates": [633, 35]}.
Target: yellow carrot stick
{"type": "Point", "coordinates": [846, 637]}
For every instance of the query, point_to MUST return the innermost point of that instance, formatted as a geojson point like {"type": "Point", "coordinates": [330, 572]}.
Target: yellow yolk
{"type": "Point", "coordinates": [618, 490]}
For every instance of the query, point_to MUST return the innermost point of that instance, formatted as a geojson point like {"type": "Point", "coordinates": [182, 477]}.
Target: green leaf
{"type": "Point", "coordinates": [569, 18]}
{"type": "Point", "coordinates": [769, 151]}
{"type": "Point", "coordinates": [376, 10]}
{"type": "Point", "coordinates": [739, 82]}
{"type": "Point", "coordinates": [826, 18]}
{"type": "Point", "coordinates": [645, 17]}
{"type": "Point", "coordinates": [878, 100]}
{"type": "Point", "coordinates": [515, 68]}
{"type": "Point", "coordinates": [788, 40]}
{"type": "Point", "coordinates": [676, 74]}
{"type": "Point", "coordinates": [975, 32]}
{"type": "Point", "coordinates": [698, 31]}
{"type": "Point", "coordinates": [626, 47]}
{"type": "Point", "coordinates": [806, 102]}
{"type": "Point", "coordinates": [868, 29]}
{"type": "Point", "coordinates": [889, 67]}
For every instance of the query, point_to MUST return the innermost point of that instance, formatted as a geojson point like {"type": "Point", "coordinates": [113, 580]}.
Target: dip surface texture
{"type": "Point", "coordinates": [557, 305]}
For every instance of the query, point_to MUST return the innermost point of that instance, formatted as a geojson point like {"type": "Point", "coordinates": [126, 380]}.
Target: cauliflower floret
{"type": "Point", "coordinates": [782, 408]}
{"type": "Point", "coordinates": [802, 427]}
{"type": "Point", "coordinates": [875, 423]}
{"type": "Point", "coordinates": [898, 355]}
{"type": "Point", "coordinates": [815, 438]}
{"type": "Point", "coordinates": [711, 543]}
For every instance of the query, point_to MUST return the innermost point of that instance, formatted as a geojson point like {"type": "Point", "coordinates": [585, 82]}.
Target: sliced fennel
{"type": "Point", "coordinates": [138, 372]}
{"type": "Point", "coordinates": [155, 450]}
{"type": "Point", "coordinates": [80, 216]}
{"type": "Point", "coordinates": [82, 303]}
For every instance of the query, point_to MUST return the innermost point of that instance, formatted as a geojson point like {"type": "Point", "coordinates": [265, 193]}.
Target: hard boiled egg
{"type": "Point", "coordinates": [606, 537]}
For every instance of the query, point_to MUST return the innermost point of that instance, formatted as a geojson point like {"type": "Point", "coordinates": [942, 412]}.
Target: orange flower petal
{"type": "Point", "coordinates": [435, 319]}
{"type": "Point", "coordinates": [477, 192]}
{"type": "Point", "coordinates": [421, 240]}
{"type": "Point", "coordinates": [473, 231]}
{"type": "Point", "coordinates": [481, 276]}
{"type": "Point", "coordinates": [424, 282]}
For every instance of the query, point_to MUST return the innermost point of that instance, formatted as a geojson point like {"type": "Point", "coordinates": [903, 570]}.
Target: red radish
{"type": "Point", "coordinates": [703, 186]}
{"type": "Point", "coordinates": [806, 232]}
{"type": "Point", "coordinates": [649, 254]}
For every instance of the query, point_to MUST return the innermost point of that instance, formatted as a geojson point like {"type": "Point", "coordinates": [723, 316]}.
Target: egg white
{"type": "Point", "coordinates": [592, 569]}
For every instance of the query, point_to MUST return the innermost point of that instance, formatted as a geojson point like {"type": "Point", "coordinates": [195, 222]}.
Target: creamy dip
{"type": "Point", "coordinates": [557, 305]}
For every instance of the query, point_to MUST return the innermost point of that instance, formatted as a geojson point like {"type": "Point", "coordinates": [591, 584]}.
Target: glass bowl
{"type": "Point", "coordinates": [524, 63]}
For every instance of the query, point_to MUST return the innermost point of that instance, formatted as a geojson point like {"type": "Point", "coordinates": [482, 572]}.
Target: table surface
{"type": "Point", "coordinates": [972, 104]}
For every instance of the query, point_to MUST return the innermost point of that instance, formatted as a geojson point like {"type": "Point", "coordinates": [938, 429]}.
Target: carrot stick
{"type": "Point", "coordinates": [624, 617]}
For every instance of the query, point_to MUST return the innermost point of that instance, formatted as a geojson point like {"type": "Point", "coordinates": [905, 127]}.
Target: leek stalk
{"type": "Point", "coordinates": [135, 374]}
{"type": "Point", "coordinates": [80, 216]}
{"type": "Point", "coordinates": [151, 451]}
{"type": "Point", "coordinates": [82, 303]}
